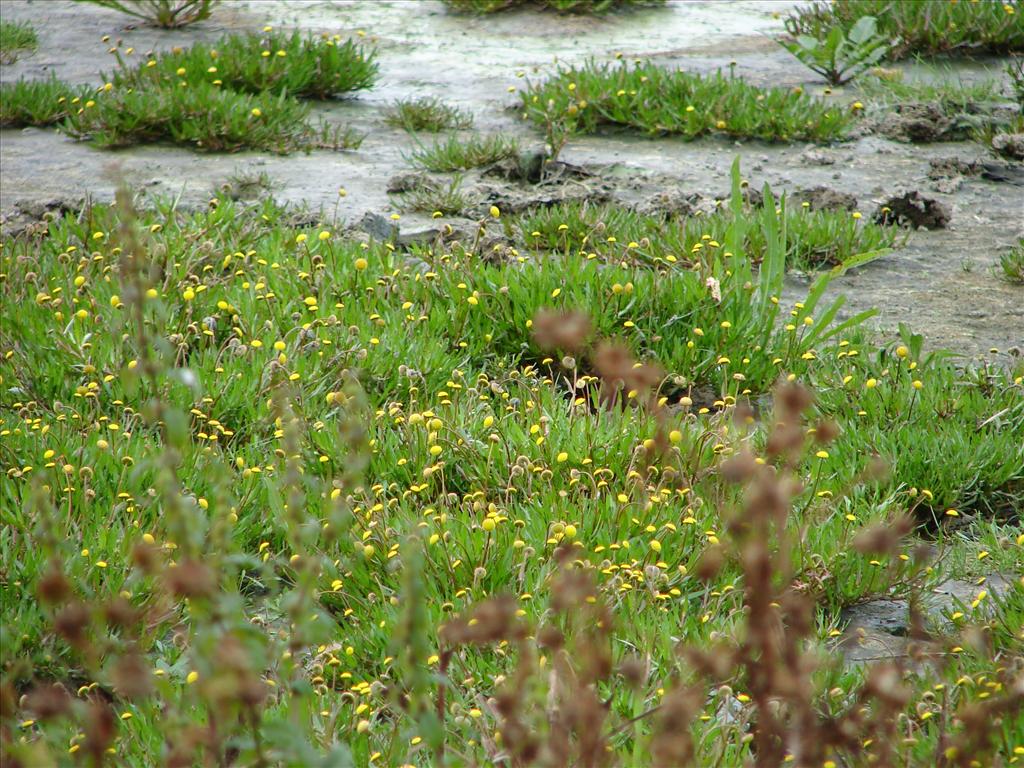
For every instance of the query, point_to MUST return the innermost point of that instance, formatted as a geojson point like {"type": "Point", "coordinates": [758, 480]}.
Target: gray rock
{"type": "Point", "coordinates": [378, 226]}
{"type": "Point", "coordinates": [878, 629]}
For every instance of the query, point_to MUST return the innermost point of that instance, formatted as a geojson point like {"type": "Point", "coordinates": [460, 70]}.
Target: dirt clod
{"type": "Point", "coordinates": [914, 211]}
{"type": "Point", "coordinates": [669, 202]}
{"type": "Point", "coordinates": [407, 182]}
{"type": "Point", "coordinates": [1009, 145]}
{"type": "Point", "coordinates": [827, 199]}
{"type": "Point", "coordinates": [917, 122]}
{"type": "Point", "coordinates": [34, 216]}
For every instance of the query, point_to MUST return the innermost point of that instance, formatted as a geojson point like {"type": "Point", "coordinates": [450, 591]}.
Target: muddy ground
{"type": "Point", "coordinates": [942, 282]}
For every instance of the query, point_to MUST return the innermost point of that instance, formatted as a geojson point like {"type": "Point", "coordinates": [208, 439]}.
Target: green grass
{"type": "Point", "coordinates": [300, 66]}
{"type": "Point", "coordinates": [813, 239]}
{"type": "Point", "coordinates": [205, 117]}
{"type": "Point", "coordinates": [660, 101]}
{"type": "Point", "coordinates": [344, 449]}
{"type": "Point", "coordinates": [923, 26]}
{"type": "Point", "coordinates": [220, 98]}
{"type": "Point", "coordinates": [458, 154]}
{"type": "Point", "coordinates": [39, 102]}
{"type": "Point", "coordinates": [561, 6]}
{"type": "Point", "coordinates": [977, 109]}
{"type": "Point", "coordinates": [436, 198]}
{"type": "Point", "coordinates": [1012, 264]}
{"type": "Point", "coordinates": [427, 114]}
{"type": "Point", "coordinates": [954, 95]}
{"type": "Point", "coordinates": [167, 14]}
{"type": "Point", "coordinates": [16, 38]}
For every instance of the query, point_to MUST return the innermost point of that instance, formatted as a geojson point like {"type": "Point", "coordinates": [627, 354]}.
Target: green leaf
{"type": "Point", "coordinates": [863, 30]}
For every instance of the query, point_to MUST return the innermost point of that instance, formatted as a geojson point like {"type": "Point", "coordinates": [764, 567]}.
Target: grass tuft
{"type": "Point", "coordinates": [301, 66]}
{"type": "Point", "coordinates": [456, 154]}
{"type": "Point", "coordinates": [436, 198]}
{"type": "Point", "coordinates": [427, 114]}
{"type": "Point", "coordinates": [813, 239]}
{"type": "Point", "coordinates": [39, 102]}
{"type": "Point", "coordinates": [167, 14]}
{"type": "Point", "coordinates": [220, 98]}
{"type": "Point", "coordinates": [16, 38]}
{"type": "Point", "coordinates": [1012, 264]}
{"type": "Point", "coordinates": [656, 101]}
{"type": "Point", "coordinates": [560, 6]}
{"type": "Point", "coordinates": [921, 26]}
{"type": "Point", "coordinates": [205, 117]}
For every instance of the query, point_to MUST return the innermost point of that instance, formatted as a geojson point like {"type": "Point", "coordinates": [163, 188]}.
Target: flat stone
{"type": "Point", "coordinates": [878, 629]}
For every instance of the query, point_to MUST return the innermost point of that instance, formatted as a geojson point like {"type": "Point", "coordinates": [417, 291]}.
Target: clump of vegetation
{"type": "Point", "coordinates": [436, 198]}
{"type": "Point", "coordinates": [561, 6]}
{"type": "Point", "coordinates": [1012, 264]}
{"type": "Point", "coordinates": [202, 116]}
{"type": "Point", "coordinates": [656, 100]}
{"type": "Point", "coordinates": [947, 109]}
{"type": "Point", "coordinates": [841, 56]}
{"type": "Point", "coordinates": [39, 102]}
{"type": "Point", "coordinates": [455, 154]}
{"type": "Point", "coordinates": [953, 95]}
{"type": "Point", "coordinates": [16, 39]}
{"type": "Point", "coordinates": [167, 14]}
{"type": "Point", "coordinates": [427, 114]}
{"type": "Point", "coordinates": [297, 65]}
{"type": "Point", "coordinates": [922, 26]}
{"type": "Point", "coordinates": [241, 93]}
{"type": "Point", "coordinates": [272, 495]}
{"type": "Point", "coordinates": [812, 239]}
{"type": "Point", "coordinates": [1015, 69]}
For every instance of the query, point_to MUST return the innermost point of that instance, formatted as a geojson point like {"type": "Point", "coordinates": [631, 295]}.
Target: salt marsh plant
{"type": "Point", "coordinates": [427, 114]}
{"type": "Point", "coordinates": [168, 14]}
{"type": "Point", "coordinates": [840, 56]}
{"type": "Point", "coordinates": [273, 494]}
{"type": "Point", "coordinates": [560, 6]}
{"type": "Point", "coordinates": [812, 239]}
{"type": "Point", "coordinates": [458, 154]}
{"type": "Point", "coordinates": [300, 66]}
{"type": "Point", "coordinates": [16, 39]}
{"type": "Point", "coordinates": [39, 102]}
{"type": "Point", "coordinates": [922, 26]}
{"type": "Point", "coordinates": [661, 101]}
{"type": "Point", "coordinates": [244, 92]}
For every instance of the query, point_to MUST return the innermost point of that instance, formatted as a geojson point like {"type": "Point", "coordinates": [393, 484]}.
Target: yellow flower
{"type": "Point", "coordinates": [495, 212]}
{"type": "Point", "coordinates": [361, 264]}
{"type": "Point", "coordinates": [256, 112]}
